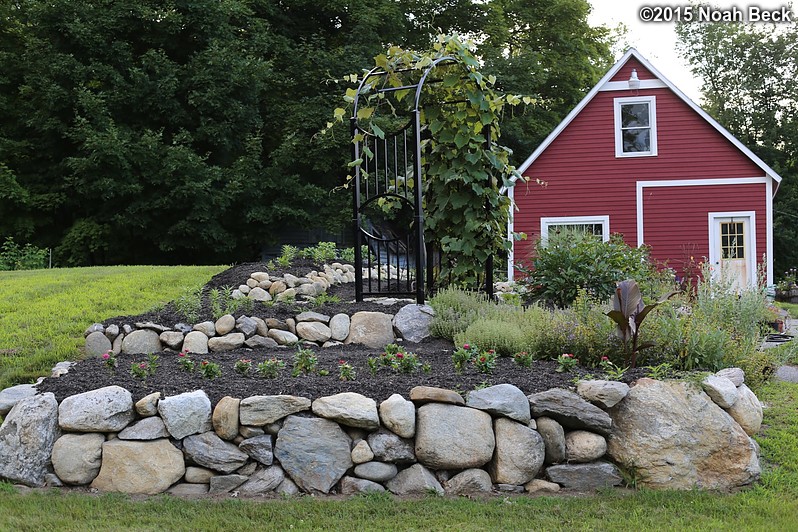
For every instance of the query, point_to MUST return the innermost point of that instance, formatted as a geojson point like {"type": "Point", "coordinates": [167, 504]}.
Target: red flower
{"type": "Point", "coordinates": [181, 354]}
{"type": "Point", "coordinates": [491, 351]}
{"type": "Point", "coordinates": [483, 359]}
{"type": "Point", "coordinates": [400, 355]}
{"type": "Point", "coordinates": [605, 359]}
{"type": "Point", "coordinates": [466, 346]}
{"type": "Point", "coordinates": [342, 362]}
{"type": "Point", "coordinates": [204, 362]}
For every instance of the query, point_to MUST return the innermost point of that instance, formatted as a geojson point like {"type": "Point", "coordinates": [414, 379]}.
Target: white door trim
{"type": "Point", "coordinates": [750, 243]}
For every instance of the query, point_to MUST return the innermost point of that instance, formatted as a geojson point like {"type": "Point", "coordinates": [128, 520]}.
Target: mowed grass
{"type": "Point", "coordinates": [80, 297]}
{"type": "Point", "coordinates": [43, 313]}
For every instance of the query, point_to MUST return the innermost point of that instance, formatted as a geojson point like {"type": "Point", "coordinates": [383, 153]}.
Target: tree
{"type": "Point", "coordinates": [750, 85]}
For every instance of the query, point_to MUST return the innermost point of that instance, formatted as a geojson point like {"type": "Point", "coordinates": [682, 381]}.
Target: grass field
{"type": "Point", "coordinates": [43, 316]}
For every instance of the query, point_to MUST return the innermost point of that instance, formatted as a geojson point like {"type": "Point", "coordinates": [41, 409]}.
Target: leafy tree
{"type": "Point", "coordinates": [750, 85]}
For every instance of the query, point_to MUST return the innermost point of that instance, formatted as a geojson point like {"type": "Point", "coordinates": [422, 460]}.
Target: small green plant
{"type": "Point", "coordinates": [141, 370]}
{"type": "Point", "coordinates": [660, 371]}
{"type": "Point", "coordinates": [523, 359]}
{"type": "Point", "coordinates": [399, 359]}
{"type": "Point", "coordinates": [210, 370]}
{"type": "Point", "coordinates": [373, 364]}
{"type": "Point", "coordinates": [612, 372]}
{"type": "Point", "coordinates": [566, 362]}
{"type": "Point", "coordinates": [109, 360]}
{"type": "Point", "coordinates": [345, 371]}
{"type": "Point", "coordinates": [189, 304]}
{"type": "Point", "coordinates": [305, 362]}
{"type": "Point", "coordinates": [243, 366]}
{"type": "Point", "coordinates": [269, 368]}
{"type": "Point", "coordinates": [321, 252]}
{"type": "Point", "coordinates": [185, 362]}
{"type": "Point", "coordinates": [347, 255]}
{"type": "Point", "coordinates": [324, 372]}
{"type": "Point", "coordinates": [324, 299]}
{"type": "Point", "coordinates": [483, 360]}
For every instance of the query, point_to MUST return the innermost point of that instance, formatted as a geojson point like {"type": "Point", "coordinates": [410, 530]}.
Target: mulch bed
{"type": "Point", "coordinates": [171, 379]}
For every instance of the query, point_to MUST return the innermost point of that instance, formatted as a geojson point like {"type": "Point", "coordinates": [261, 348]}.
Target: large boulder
{"type": "Point", "coordinates": [149, 428]}
{"type": "Point", "coordinates": [350, 409]}
{"type": "Point", "coordinates": [553, 438]}
{"type": "Point", "coordinates": [26, 439]}
{"type": "Point", "coordinates": [413, 321]}
{"type": "Point", "coordinates": [225, 417]}
{"type": "Point", "coordinates": [376, 471]}
{"type": "Point", "coordinates": [453, 437]}
{"type": "Point", "coordinates": [721, 390]}
{"type": "Point", "coordinates": [108, 409]}
{"type": "Point", "coordinates": [583, 446]}
{"type": "Point", "coordinates": [209, 450]}
{"type": "Point", "coordinates": [373, 329]}
{"type": "Point", "coordinates": [570, 410]}
{"type": "Point", "coordinates": [519, 453]}
{"type": "Point", "coordinates": [315, 452]}
{"type": "Point", "coordinates": [501, 400]}
{"type": "Point", "coordinates": [263, 481]}
{"type": "Point", "coordinates": [142, 342]}
{"type": "Point", "coordinates": [604, 393]}
{"type": "Point", "coordinates": [259, 448]}
{"type": "Point", "coordinates": [468, 482]}
{"type": "Point", "coordinates": [339, 327]}
{"type": "Point", "coordinates": [77, 457]}
{"type": "Point", "coordinates": [353, 486]}
{"type": "Point", "coordinates": [399, 416]}
{"type": "Point", "coordinates": [146, 467]}
{"type": "Point", "coordinates": [389, 447]}
{"type": "Point", "coordinates": [676, 437]}
{"type": "Point", "coordinates": [313, 331]}
{"type": "Point", "coordinates": [97, 343]}
{"type": "Point", "coordinates": [186, 413]}
{"type": "Point", "coordinates": [228, 342]}
{"type": "Point", "coordinates": [196, 342]}
{"type": "Point", "coordinates": [260, 410]}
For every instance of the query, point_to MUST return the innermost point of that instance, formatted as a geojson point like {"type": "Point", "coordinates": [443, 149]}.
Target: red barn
{"type": "Point", "coordinates": [639, 158]}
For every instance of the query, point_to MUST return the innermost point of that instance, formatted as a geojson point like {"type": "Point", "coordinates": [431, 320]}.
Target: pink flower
{"type": "Point", "coordinates": [491, 351]}
{"type": "Point", "coordinates": [181, 354]}
{"type": "Point", "coordinates": [605, 359]}
{"type": "Point", "coordinates": [568, 355]}
{"type": "Point", "coordinates": [466, 346]}
{"type": "Point", "coordinates": [342, 362]}
{"type": "Point", "coordinates": [143, 365]}
{"type": "Point", "coordinates": [106, 356]}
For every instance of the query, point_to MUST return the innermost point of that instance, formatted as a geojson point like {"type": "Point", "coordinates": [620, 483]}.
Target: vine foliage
{"type": "Point", "coordinates": [466, 170]}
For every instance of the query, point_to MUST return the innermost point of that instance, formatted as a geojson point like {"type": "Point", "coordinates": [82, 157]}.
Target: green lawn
{"type": "Point", "coordinates": [43, 315]}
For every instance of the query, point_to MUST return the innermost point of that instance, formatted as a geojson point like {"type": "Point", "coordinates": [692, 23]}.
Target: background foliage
{"type": "Point", "coordinates": [183, 132]}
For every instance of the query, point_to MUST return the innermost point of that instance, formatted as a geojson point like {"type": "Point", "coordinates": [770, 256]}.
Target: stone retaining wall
{"type": "Point", "coordinates": [662, 434]}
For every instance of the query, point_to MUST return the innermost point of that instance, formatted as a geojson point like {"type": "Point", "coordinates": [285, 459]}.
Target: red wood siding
{"type": "Point", "coordinates": [583, 177]}
{"type": "Point", "coordinates": [676, 219]}
{"type": "Point", "coordinates": [625, 71]}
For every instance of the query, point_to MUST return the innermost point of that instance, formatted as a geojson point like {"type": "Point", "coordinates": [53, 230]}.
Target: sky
{"type": "Point", "coordinates": [656, 41]}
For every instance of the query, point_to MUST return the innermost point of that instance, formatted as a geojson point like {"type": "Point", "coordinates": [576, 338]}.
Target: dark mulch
{"type": "Point", "coordinates": [171, 379]}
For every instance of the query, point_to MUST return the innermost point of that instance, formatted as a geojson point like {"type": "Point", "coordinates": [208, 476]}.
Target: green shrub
{"type": "Point", "coordinates": [573, 259]}
{"type": "Point", "coordinates": [504, 337]}
{"type": "Point", "coordinates": [455, 310]}
{"type": "Point", "coordinates": [16, 257]}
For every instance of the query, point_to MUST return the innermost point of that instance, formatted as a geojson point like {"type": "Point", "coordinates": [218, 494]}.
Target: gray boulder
{"type": "Point", "coordinates": [570, 410]}
{"type": "Point", "coordinates": [747, 410]}
{"type": "Point", "coordinates": [313, 331]}
{"type": "Point", "coordinates": [399, 415]}
{"type": "Point", "coordinates": [310, 316]}
{"type": "Point", "coordinates": [350, 409]}
{"type": "Point", "coordinates": [283, 337]}
{"type": "Point", "coordinates": [373, 329]}
{"type": "Point", "coordinates": [501, 400]}
{"type": "Point", "coordinates": [353, 486]}
{"type": "Point", "coordinates": [172, 339]}
{"type": "Point", "coordinates": [388, 447]}
{"type": "Point", "coordinates": [77, 457]}
{"type": "Point", "coordinates": [453, 437]}
{"type": "Point", "coordinates": [603, 393]}
{"type": "Point", "coordinates": [582, 446]}
{"type": "Point", "coordinates": [553, 439]}
{"type": "Point", "coordinates": [228, 342]}
{"type": "Point", "coordinates": [263, 481]}
{"type": "Point", "coordinates": [585, 477]}
{"type": "Point", "coordinates": [149, 428]}
{"type": "Point", "coordinates": [519, 453]}
{"type": "Point", "coordinates": [314, 452]}
{"type": "Point", "coordinates": [225, 483]}
{"type": "Point", "coordinates": [259, 448]}
{"type": "Point", "coordinates": [468, 482]}
{"type": "Point", "coordinates": [260, 410]}
{"type": "Point", "coordinates": [97, 344]}
{"type": "Point", "coordinates": [26, 439]}
{"type": "Point", "coordinates": [259, 340]}
{"type": "Point", "coordinates": [339, 327]}
{"type": "Point", "coordinates": [209, 450]}
{"type": "Point", "coordinates": [108, 409]}
{"type": "Point", "coordinates": [376, 471]}
{"type": "Point", "coordinates": [186, 413]}
{"type": "Point", "coordinates": [142, 341]}
{"type": "Point", "coordinates": [413, 321]}
{"type": "Point", "coordinates": [721, 390]}
{"type": "Point", "coordinates": [415, 480]}
{"type": "Point", "coordinates": [196, 342]}
{"type": "Point", "coordinates": [11, 396]}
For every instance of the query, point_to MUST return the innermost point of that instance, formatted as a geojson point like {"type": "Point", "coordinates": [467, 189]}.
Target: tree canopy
{"type": "Point", "coordinates": [169, 131]}
{"type": "Point", "coordinates": [750, 85]}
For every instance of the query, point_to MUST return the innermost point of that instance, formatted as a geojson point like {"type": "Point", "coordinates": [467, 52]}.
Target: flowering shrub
{"type": "Point", "coordinates": [566, 362]}
{"type": "Point", "coordinates": [398, 359]}
{"type": "Point", "coordinates": [243, 366]}
{"type": "Point", "coordinates": [345, 371]}
{"type": "Point", "coordinates": [463, 355]}
{"type": "Point", "coordinates": [483, 360]}
{"type": "Point", "coordinates": [270, 368]}
{"type": "Point", "coordinates": [142, 370]}
{"type": "Point", "coordinates": [210, 370]}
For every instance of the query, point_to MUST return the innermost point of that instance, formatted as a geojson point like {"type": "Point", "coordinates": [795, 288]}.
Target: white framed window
{"type": "Point", "coordinates": [596, 225]}
{"type": "Point", "coordinates": [636, 126]}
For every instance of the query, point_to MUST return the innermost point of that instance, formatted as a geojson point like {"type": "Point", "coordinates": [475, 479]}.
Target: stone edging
{"type": "Point", "coordinates": [667, 434]}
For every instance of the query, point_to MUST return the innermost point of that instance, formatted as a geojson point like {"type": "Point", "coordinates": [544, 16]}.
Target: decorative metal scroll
{"type": "Point", "coordinates": [388, 218]}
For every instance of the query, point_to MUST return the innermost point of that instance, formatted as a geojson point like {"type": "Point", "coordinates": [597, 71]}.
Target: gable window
{"type": "Point", "coordinates": [595, 225]}
{"type": "Point", "coordinates": [635, 126]}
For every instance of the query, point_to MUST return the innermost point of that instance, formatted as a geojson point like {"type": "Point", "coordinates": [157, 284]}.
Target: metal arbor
{"type": "Point", "coordinates": [388, 213]}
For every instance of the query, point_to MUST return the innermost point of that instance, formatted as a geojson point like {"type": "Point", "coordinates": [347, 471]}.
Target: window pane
{"type": "Point", "coordinates": [636, 140]}
{"type": "Point", "coordinates": [590, 228]}
{"type": "Point", "coordinates": [634, 115]}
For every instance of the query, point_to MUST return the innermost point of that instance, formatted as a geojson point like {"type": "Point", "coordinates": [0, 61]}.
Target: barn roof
{"type": "Point", "coordinates": [632, 53]}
